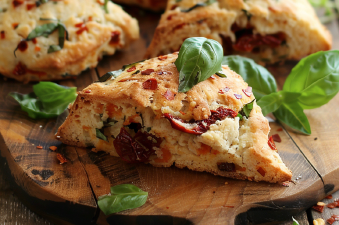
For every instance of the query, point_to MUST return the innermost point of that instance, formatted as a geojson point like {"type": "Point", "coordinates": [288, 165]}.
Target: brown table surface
{"type": "Point", "coordinates": [12, 211]}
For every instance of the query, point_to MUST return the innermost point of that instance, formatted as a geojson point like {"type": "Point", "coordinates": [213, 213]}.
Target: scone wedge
{"type": "Point", "coordinates": [30, 48]}
{"type": "Point", "coordinates": [265, 30]}
{"type": "Point", "coordinates": [140, 116]}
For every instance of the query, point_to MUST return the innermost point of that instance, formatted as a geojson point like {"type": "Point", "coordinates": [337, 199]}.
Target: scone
{"type": "Point", "coordinates": [93, 31]}
{"type": "Point", "coordinates": [265, 30]}
{"type": "Point", "coordinates": [154, 5]}
{"type": "Point", "coordinates": [141, 117]}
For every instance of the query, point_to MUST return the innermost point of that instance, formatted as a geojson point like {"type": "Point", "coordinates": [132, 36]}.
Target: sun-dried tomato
{"type": "Point", "coordinates": [131, 69]}
{"type": "Point", "coordinates": [2, 34]}
{"type": "Point", "coordinates": [247, 91]}
{"type": "Point", "coordinates": [248, 41]}
{"type": "Point", "coordinates": [115, 38]}
{"type": "Point", "coordinates": [150, 84]}
{"type": "Point", "coordinates": [30, 6]}
{"type": "Point", "coordinates": [318, 208]}
{"type": "Point", "coordinates": [332, 219]}
{"type": "Point", "coordinates": [22, 46]}
{"type": "Point", "coordinates": [34, 40]}
{"type": "Point", "coordinates": [276, 138]}
{"type": "Point", "coordinates": [81, 30]}
{"type": "Point", "coordinates": [333, 205]}
{"type": "Point", "coordinates": [175, 125]}
{"type": "Point", "coordinates": [228, 167]}
{"type": "Point", "coordinates": [169, 95]}
{"type": "Point", "coordinates": [147, 72]}
{"type": "Point", "coordinates": [19, 69]}
{"type": "Point", "coordinates": [17, 3]}
{"type": "Point", "coordinates": [261, 171]}
{"type": "Point", "coordinates": [271, 143]}
{"type": "Point", "coordinates": [224, 90]}
{"type": "Point", "coordinates": [137, 149]}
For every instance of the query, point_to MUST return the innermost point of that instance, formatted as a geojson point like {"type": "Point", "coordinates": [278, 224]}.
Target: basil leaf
{"type": "Point", "coordinates": [199, 58]}
{"type": "Point", "coordinates": [110, 75]}
{"type": "Point", "coordinates": [124, 67]}
{"type": "Point", "coordinates": [201, 4]}
{"type": "Point", "coordinates": [48, 100]}
{"type": "Point", "coordinates": [292, 115]}
{"type": "Point", "coordinates": [53, 48]}
{"type": "Point", "coordinates": [221, 74]}
{"type": "Point", "coordinates": [261, 81]}
{"type": "Point", "coordinates": [270, 103]}
{"type": "Point", "coordinates": [295, 222]}
{"type": "Point", "coordinates": [45, 29]}
{"type": "Point", "coordinates": [110, 122]}
{"type": "Point", "coordinates": [240, 116]}
{"type": "Point", "coordinates": [100, 135]}
{"type": "Point", "coordinates": [105, 6]}
{"type": "Point", "coordinates": [316, 77]}
{"type": "Point", "coordinates": [246, 110]}
{"type": "Point", "coordinates": [123, 197]}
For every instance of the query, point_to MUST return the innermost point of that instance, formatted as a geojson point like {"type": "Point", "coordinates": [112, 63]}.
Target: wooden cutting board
{"type": "Point", "coordinates": [67, 194]}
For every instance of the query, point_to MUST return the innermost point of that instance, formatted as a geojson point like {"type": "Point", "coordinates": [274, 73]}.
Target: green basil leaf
{"type": "Point", "coordinates": [123, 197]}
{"type": "Point", "coordinates": [295, 222]}
{"type": "Point", "coordinates": [45, 29]}
{"type": "Point", "coordinates": [100, 135]}
{"type": "Point", "coordinates": [246, 110]}
{"type": "Point", "coordinates": [199, 58]}
{"type": "Point", "coordinates": [292, 115]}
{"type": "Point", "coordinates": [53, 48]}
{"type": "Point", "coordinates": [240, 116]}
{"type": "Point", "coordinates": [201, 4]}
{"type": "Point", "coordinates": [45, 103]}
{"type": "Point", "coordinates": [261, 81]}
{"type": "Point", "coordinates": [110, 122]}
{"type": "Point", "coordinates": [124, 67]}
{"type": "Point", "coordinates": [105, 6]}
{"type": "Point", "coordinates": [270, 103]}
{"type": "Point", "coordinates": [110, 75]}
{"type": "Point", "coordinates": [316, 77]}
{"type": "Point", "coordinates": [221, 74]}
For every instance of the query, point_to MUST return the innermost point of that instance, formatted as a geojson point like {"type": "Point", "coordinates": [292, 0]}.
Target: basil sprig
{"type": "Point", "coordinates": [122, 197]}
{"type": "Point", "coordinates": [45, 30]}
{"type": "Point", "coordinates": [199, 58]}
{"type": "Point", "coordinates": [200, 4]}
{"type": "Point", "coordinates": [48, 100]}
{"type": "Point", "coordinates": [313, 82]}
{"type": "Point", "coordinates": [114, 74]}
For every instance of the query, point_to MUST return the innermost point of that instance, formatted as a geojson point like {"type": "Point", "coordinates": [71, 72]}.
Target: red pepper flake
{"type": "Point", "coordinates": [34, 40]}
{"type": "Point", "coordinates": [229, 206]}
{"type": "Point", "coordinates": [37, 49]}
{"type": "Point", "coordinates": [238, 96]}
{"type": "Point", "coordinates": [182, 113]}
{"type": "Point", "coordinates": [318, 208]}
{"type": "Point", "coordinates": [100, 3]}
{"type": "Point", "coordinates": [88, 91]}
{"type": "Point", "coordinates": [224, 90]}
{"type": "Point", "coordinates": [15, 25]}
{"type": "Point", "coordinates": [30, 6]}
{"type": "Point", "coordinates": [162, 57]}
{"type": "Point", "coordinates": [169, 95]}
{"type": "Point", "coordinates": [61, 159]}
{"type": "Point", "coordinates": [2, 34]}
{"type": "Point", "coordinates": [261, 171]}
{"type": "Point", "coordinates": [271, 143]}
{"type": "Point", "coordinates": [131, 69]}
{"type": "Point", "coordinates": [79, 25]}
{"type": "Point", "coordinates": [147, 72]}
{"type": "Point", "coordinates": [333, 205]}
{"type": "Point", "coordinates": [90, 18]}
{"type": "Point", "coordinates": [53, 148]}
{"type": "Point", "coordinates": [247, 91]}
{"type": "Point", "coordinates": [280, 129]}
{"type": "Point", "coordinates": [329, 197]}
{"type": "Point", "coordinates": [115, 37]}
{"type": "Point", "coordinates": [276, 138]}
{"type": "Point", "coordinates": [82, 29]}
{"type": "Point", "coordinates": [332, 219]}
{"type": "Point", "coordinates": [150, 84]}
{"type": "Point", "coordinates": [17, 3]}
{"type": "Point", "coordinates": [39, 147]}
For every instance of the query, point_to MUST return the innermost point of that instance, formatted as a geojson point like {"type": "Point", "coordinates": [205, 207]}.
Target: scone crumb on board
{"type": "Point", "coordinates": [318, 221]}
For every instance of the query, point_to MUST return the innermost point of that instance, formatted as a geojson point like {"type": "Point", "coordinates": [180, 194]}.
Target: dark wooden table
{"type": "Point", "coordinates": [12, 211]}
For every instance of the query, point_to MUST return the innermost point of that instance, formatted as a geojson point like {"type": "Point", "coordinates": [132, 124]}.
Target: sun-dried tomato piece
{"type": "Point", "coordinates": [147, 72]}
{"type": "Point", "coordinates": [115, 38]}
{"type": "Point", "coordinates": [175, 125]}
{"type": "Point", "coordinates": [131, 69]}
{"type": "Point", "coordinates": [228, 167]}
{"type": "Point", "coordinates": [271, 143]}
{"type": "Point", "coordinates": [2, 34]}
{"type": "Point", "coordinates": [169, 95]}
{"type": "Point", "coordinates": [329, 197]}
{"type": "Point", "coordinates": [261, 171]}
{"type": "Point", "coordinates": [34, 40]}
{"type": "Point", "coordinates": [61, 158]}
{"type": "Point", "coordinates": [224, 90]}
{"type": "Point", "coordinates": [81, 30]}
{"type": "Point", "coordinates": [247, 41]}
{"type": "Point", "coordinates": [318, 208]}
{"type": "Point", "coordinates": [333, 205]}
{"type": "Point", "coordinates": [150, 84]}
{"type": "Point", "coordinates": [162, 57]}
{"type": "Point", "coordinates": [30, 6]}
{"type": "Point", "coordinates": [238, 96]}
{"type": "Point", "coordinates": [276, 138]}
{"type": "Point", "coordinates": [16, 3]}
{"type": "Point", "coordinates": [22, 46]}
{"type": "Point", "coordinates": [20, 69]}
{"type": "Point", "coordinates": [247, 91]}
{"type": "Point", "coordinates": [333, 219]}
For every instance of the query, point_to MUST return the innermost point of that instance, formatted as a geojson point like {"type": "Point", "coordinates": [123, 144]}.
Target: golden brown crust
{"type": "Point", "coordinates": [295, 18]}
{"type": "Point", "coordinates": [124, 99]}
{"type": "Point", "coordinates": [82, 51]}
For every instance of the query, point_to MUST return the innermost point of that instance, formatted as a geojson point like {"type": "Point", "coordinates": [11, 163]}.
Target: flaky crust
{"type": "Point", "coordinates": [295, 18]}
{"type": "Point", "coordinates": [82, 51]}
{"type": "Point", "coordinates": [154, 5]}
{"type": "Point", "coordinates": [243, 143]}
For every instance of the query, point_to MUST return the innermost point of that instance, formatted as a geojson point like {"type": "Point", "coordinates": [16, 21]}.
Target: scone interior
{"type": "Point", "coordinates": [265, 30]}
{"type": "Point", "coordinates": [144, 119]}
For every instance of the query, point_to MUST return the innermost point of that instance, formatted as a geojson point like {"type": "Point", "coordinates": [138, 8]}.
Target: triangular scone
{"type": "Point", "coordinates": [154, 5]}
{"type": "Point", "coordinates": [266, 30]}
{"type": "Point", "coordinates": [142, 109]}
{"type": "Point", "coordinates": [92, 30]}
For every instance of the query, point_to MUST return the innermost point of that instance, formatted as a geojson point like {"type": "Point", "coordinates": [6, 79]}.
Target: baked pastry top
{"type": "Point", "coordinates": [141, 117]}
{"type": "Point", "coordinates": [265, 30]}
{"type": "Point", "coordinates": [92, 33]}
{"type": "Point", "coordinates": [154, 5]}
